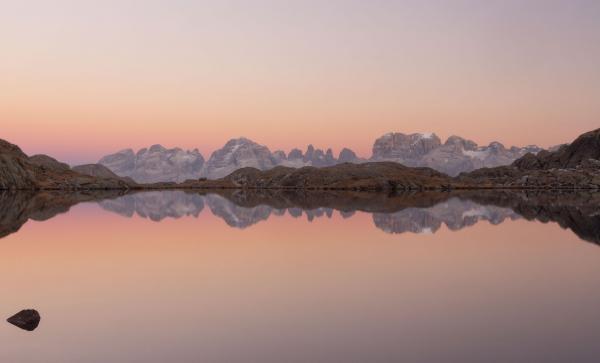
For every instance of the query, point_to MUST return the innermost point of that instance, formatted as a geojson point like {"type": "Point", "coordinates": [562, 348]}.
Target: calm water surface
{"type": "Point", "coordinates": [181, 277]}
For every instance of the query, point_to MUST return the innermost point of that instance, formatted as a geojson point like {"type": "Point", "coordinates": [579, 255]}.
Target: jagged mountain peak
{"type": "Point", "coordinates": [235, 154]}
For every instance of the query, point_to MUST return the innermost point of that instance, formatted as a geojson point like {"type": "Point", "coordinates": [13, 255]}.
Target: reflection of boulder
{"type": "Point", "coordinates": [25, 319]}
{"type": "Point", "coordinates": [157, 205]}
{"type": "Point", "coordinates": [454, 213]}
{"type": "Point", "coordinates": [234, 215]}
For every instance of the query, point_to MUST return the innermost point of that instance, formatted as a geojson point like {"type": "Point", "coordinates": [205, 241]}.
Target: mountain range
{"type": "Point", "coordinates": [572, 166]}
{"type": "Point", "coordinates": [454, 156]}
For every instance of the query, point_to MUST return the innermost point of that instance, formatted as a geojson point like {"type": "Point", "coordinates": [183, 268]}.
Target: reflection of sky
{"type": "Point", "coordinates": [194, 289]}
{"type": "Point", "coordinates": [196, 73]}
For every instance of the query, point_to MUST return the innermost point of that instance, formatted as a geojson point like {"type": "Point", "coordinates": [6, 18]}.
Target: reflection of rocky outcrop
{"type": "Point", "coordinates": [578, 212]}
{"type": "Point", "coordinates": [344, 201]}
{"type": "Point", "coordinates": [425, 211]}
{"type": "Point", "coordinates": [157, 205]}
{"type": "Point", "coordinates": [26, 319]}
{"type": "Point", "coordinates": [417, 212]}
{"type": "Point", "coordinates": [455, 214]}
{"type": "Point", "coordinates": [18, 207]}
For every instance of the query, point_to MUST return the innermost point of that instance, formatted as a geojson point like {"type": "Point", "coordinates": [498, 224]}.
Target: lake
{"type": "Point", "coordinates": [234, 276]}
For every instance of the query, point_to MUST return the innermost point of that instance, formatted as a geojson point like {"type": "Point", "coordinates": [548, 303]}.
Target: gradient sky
{"type": "Point", "coordinates": [80, 79]}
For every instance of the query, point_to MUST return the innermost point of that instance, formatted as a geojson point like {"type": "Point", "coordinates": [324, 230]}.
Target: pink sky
{"type": "Point", "coordinates": [83, 79]}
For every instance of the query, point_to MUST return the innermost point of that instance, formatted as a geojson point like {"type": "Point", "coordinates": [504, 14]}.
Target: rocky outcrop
{"type": "Point", "coordinates": [573, 166]}
{"type": "Point", "coordinates": [100, 171]}
{"type": "Point", "coordinates": [584, 152]}
{"type": "Point", "coordinates": [156, 164]}
{"type": "Point", "coordinates": [367, 176]}
{"type": "Point", "coordinates": [48, 162]}
{"type": "Point", "coordinates": [17, 171]}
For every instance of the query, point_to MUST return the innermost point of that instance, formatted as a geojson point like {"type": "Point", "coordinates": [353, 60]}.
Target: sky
{"type": "Point", "coordinates": [81, 79]}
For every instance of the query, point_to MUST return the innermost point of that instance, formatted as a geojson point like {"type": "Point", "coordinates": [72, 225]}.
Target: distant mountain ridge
{"type": "Point", "coordinates": [156, 164]}
{"type": "Point", "coordinates": [456, 155]}
{"type": "Point", "coordinates": [453, 157]}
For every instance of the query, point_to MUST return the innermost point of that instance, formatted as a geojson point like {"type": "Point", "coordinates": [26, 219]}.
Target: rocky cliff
{"type": "Point", "coordinates": [18, 171]}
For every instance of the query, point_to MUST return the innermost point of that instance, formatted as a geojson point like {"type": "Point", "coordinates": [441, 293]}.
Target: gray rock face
{"type": "Point", "coordinates": [347, 156]}
{"type": "Point", "coordinates": [237, 154]}
{"type": "Point", "coordinates": [279, 157]}
{"type": "Point", "coordinates": [121, 163]}
{"type": "Point", "coordinates": [455, 156]}
{"type": "Point", "coordinates": [295, 154]}
{"type": "Point", "coordinates": [405, 149]}
{"type": "Point", "coordinates": [156, 164]}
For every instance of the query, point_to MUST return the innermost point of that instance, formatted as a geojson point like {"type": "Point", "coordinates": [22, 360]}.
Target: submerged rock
{"type": "Point", "coordinates": [25, 319]}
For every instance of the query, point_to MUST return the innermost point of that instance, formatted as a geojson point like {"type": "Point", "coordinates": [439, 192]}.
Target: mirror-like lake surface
{"type": "Point", "coordinates": [281, 277]}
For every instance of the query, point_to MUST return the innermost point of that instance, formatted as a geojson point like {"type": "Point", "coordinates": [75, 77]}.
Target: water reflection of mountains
{"type": "Point", "coordinates": [454, 213]}
{"type": "Point", "coordinates": [397, 213]}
